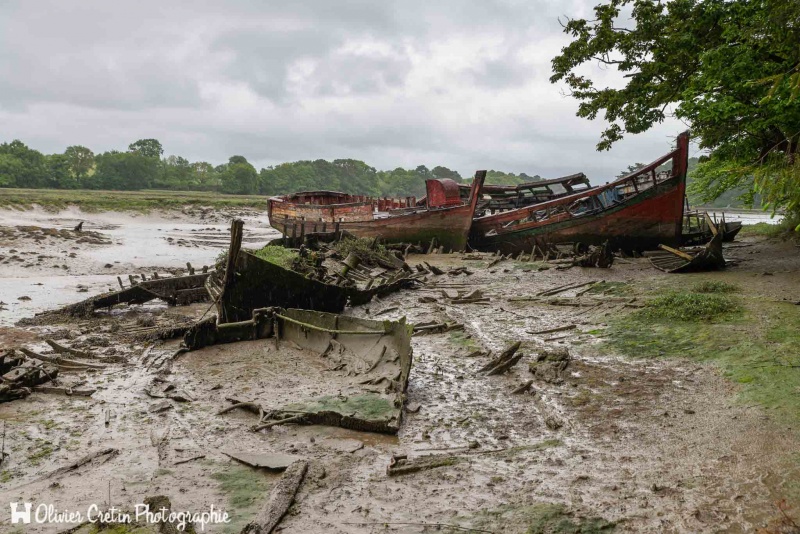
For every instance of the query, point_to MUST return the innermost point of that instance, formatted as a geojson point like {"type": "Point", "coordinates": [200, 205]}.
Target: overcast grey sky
{"type": "Point", "coordinates": [462, 84]}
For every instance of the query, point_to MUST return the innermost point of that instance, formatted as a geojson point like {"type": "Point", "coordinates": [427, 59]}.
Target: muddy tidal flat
{"type": "Point", "coordinates": [643, 402]}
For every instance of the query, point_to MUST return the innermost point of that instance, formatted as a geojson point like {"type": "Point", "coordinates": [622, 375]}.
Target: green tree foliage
{"type": "Point", "coordinates": [509, 178]}
{"type": "Point", "coordinates": [22, 166]}
{"type": "Point", "coordinates": [142, 167]}
{"type": "Point", "coordinates": [124, 171]}
{"type": "Point", "coordinates": [81, 161]}
{"type": "Point", "coordinates": [150, 148]}
{"type": "Point", "coordinates": [729, 69]}
{"type": "Point", "coordinates": [59, 172]}
{"type": "Point", "coordinates": [239, 177]}
{"type": "Point", "coordinates": [630, 169]}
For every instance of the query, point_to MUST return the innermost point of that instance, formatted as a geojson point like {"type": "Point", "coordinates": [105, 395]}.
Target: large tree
{"type": "Point", "coordinates": [730, 69]}
{"type": "Point", "coordinates": [239, 177]}
{"type": "Point", "coordinates": [149, 148]}
{"type": "Point", "coordinates": [81, 161]}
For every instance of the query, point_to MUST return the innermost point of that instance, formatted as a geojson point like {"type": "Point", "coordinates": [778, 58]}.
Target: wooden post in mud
{"type": "Point", "coordinates": [230, 265]}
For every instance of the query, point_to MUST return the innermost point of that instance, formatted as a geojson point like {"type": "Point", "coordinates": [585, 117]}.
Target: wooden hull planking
{"type": "Point", "coordinates": [644, 219]}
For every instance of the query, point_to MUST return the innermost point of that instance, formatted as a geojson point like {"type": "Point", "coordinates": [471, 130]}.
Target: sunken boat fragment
{"type": "Point", "coordinates": [250, 282]}
{"type": "Point", "coordinates": [345, 371]}
{"type": "Point", "coordinates": [442, 214]}
{"type": "Point", "coordinates": [691, 259]}
{"type": "Point", "coordinates": [696, 230]}
{"type": "Point", "coordinates": [636, 212]}
{"type": "Point", "coordinates": [174, 290]}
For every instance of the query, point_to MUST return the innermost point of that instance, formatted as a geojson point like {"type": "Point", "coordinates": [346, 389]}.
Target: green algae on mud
{"type": "Point", "coordinates": [245, 490]}
{"type": "Point", "coordinates": [757, 345]}
{"type": "Point", "coordinates": [371, 407]}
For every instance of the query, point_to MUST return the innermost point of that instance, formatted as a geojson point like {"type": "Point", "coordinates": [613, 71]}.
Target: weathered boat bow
{"type": "Point", "coordinates": [638, 211]}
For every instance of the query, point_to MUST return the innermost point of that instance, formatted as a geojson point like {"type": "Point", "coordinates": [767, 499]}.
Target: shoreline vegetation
{"type": "Point", "coordinates": [89, 201]}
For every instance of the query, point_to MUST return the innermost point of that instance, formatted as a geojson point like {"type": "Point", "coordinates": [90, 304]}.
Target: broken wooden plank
{"type": "Point", "coordinates": [502, 357]}
{"type": "Point", "coordinates": [280, 499]}
{"type": "Point", "coordinates": [679, 253]}
{"type": "Point", "coordinates": [557, 329]}
{"type": "Point", "coordinates": [272, 461]}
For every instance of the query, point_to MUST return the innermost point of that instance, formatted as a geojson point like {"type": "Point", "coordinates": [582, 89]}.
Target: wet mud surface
{"type": "Point", "coordinates": [651, 446]}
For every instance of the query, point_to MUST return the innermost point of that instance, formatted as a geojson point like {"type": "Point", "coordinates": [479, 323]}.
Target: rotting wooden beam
{"type": "Point", "coordinates": [237, 226]}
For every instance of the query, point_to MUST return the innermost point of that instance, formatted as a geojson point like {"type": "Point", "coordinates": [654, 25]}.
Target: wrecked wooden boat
{"type": "Point", "coordinates": [509, 197]}
{"type": "Point", "coordinates": [692, 259]}
{"type": "Point", "coordinates": [174, 290]}
{"type": "Point", "coordinates": [697, 232]}
{"type": "Point", "coordinates": [636, 212]}
{"type": "Point", "coordinates": [250, 282]}
{"type": "Point", "coordinates": [328, 369]}
{"type": "Point", "coordinates": [443, 214]}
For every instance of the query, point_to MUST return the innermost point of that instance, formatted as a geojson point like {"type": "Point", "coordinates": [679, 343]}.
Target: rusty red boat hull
{"type": "Point", "coordinates": [623, 212]}
{"type": "Point", "coordinates": [449, 224]}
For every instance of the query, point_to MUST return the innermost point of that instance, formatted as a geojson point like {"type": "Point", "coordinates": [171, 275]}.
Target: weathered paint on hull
{"type": "Point", "coordinates": [449, 226]}
{"type": "Point", "coordinates": [642, 222]}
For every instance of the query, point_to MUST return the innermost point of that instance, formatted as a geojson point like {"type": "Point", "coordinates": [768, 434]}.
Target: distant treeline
{"type": "Point", "coordinates": [143, 166]}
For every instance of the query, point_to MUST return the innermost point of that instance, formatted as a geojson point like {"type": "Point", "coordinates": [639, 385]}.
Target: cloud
{"type": "Point", "coordinates": [453, 83]}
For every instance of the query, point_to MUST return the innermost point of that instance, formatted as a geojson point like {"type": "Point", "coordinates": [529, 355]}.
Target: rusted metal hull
{"type": "Point", "coordinates": [449, 225]}
{"type": "Point", "coordinates": [626, 213]}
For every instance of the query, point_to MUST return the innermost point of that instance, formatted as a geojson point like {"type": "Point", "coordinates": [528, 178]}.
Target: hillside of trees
{"type": "Point", "coordinates": [143, 166]}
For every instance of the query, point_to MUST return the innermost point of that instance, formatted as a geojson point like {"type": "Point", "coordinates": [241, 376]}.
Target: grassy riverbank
{"type": "Point", "coordinates": [753, 340]}
{"type": "Point", "coordinates": [141, 201]}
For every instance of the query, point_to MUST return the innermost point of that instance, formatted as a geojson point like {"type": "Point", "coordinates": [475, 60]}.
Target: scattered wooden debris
{"type": "Point", "coordinates": [401, 465]}
{"type": "Point", "coordinates": [96, 458]}
{"type": "Point", "coordinates": [268, 461]}
{"type": "Point", "coordinates": [522, 388]}
{"type": "Point", "coordinates": [705, 258]}
{"type": "Point", "coordinates": [556, 329]}
{"type": "Point", "coordinates": [280, 499]}
{"type": "Point", "coordinates": [166, 289]}
{"type": "Point", "coordinates": [68, 391]}
{"type": "Point", "coordinates": [19, 373]}
{"type": "Point", "coordinates": [433, 269]}
{"type": "Point", "coordinates": [504, 361]}
{"type": "Point", "coordinates": [565, 287]}
{"type": "Point", "coordinates": [434, 327]}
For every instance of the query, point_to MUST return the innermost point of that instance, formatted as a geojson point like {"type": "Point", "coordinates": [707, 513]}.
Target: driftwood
{"type": "Point", "coordinates": [280, 499]}
{"type": "Point", "coordinates": [401, 465]}
{"type": "Point", "coordinates": [505, 365]}
{"type": "Point", "coordinates": [292, 419]}
{"type": "Point", "coordinates": [68, 391]}
{"type": "Point", "coordinates": [432, 268]}
{"type": "Point", "coordinates": [557, 329]}
{"type": "Point", "coordinates": [102, 456]}
{"type": "Point", "coordinates": [561, 289]}
{"type": "Point", "coordinates": [522, 388]}
{"type": "Point", "coordinates": [61, 362]}
{"type": "Point", "coordinates": [62, 349]}
{"type": "Point", "coordinates": [502, 357]}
